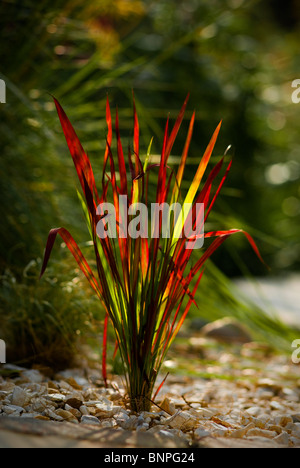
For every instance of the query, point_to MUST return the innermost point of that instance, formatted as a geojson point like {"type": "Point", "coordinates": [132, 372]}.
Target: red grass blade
{"type": "Point", "coordinates": [108, 139]}
{"type": "Point", "coordinates": [176, 128]}
{"type": "Point", "coordinates": [218, 191]}
{"type": "Point", "coordinates": [160, 192]}
{"type": "Point", "coordinates": [144, 256]}
{"type": "Point", "coordinates": [222, 234]}
{"type": "Point", "coordinates": [80, 158]}
{"type": "Point", "coordinates": [136, 137]}
{"type": "Point", "coordinates": [122, 167]}
{"type": "Point", "coordinates": [77, 254]}
{"type": "Point", "coordinates": [187, 308]}
{"type": "Point", "coordinates": [104, 350]}
{"type": "Point", "coordinates": [116, 349]}
{"type": "Point", "coordinates": [160, 387]}
{"type": "Point", "coordinates": [207, 254]}
{"type": "Point", "coordinates": [184, 157]}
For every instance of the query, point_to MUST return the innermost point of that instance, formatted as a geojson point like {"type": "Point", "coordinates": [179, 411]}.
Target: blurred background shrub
{"type": "Point", "coordinates": [237, 58]}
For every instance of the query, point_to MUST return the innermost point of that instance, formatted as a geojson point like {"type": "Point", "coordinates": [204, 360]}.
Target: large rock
{"type": "Point", "coordinates": [227, 330]}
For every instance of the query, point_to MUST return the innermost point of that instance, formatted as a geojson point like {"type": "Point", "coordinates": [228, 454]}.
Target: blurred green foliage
{"type": "Point", "coordinates": [237, 58]}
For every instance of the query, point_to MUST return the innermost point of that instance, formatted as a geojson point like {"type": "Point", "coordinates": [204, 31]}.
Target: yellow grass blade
{"type": "Point", "coordinates": [196, 183]}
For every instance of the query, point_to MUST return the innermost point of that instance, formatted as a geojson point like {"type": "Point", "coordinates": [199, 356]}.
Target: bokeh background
{"type": "Point", "coordinates": [237, 58]}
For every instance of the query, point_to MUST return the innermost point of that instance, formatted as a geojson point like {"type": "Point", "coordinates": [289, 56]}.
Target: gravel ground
{"type": "Point", "coordinates": [248, 399]}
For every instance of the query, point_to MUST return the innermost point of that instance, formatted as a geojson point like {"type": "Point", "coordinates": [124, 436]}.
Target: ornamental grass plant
{"type": "Point", "coordinates": [146, 283]}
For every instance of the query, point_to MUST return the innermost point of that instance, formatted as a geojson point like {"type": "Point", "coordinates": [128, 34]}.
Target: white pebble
{"type": "Point", "coordinates": [12, 409]}
{"type": "Point", "coordinates": [283, 420]}
{"type": "Point", "coordinates": [201, 432]}
{"type": "Point", "coordinates": [19, 397]}
{"type": "Point", "coordinates": [254, 411]}
{"type": "Point", "coordinates": [90, 420]}
{"type": "Point", "coordinates": [84, 410]}
{"type": "Point", "coordinates": [282, 439]}
{"type": "Point", "coordinates": [142, 427]}
{"type": "Point", "coordinates": [277, 406]}
{"type": "Point", "coordinates": [261, 433]}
